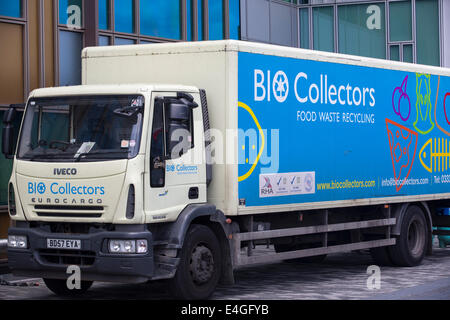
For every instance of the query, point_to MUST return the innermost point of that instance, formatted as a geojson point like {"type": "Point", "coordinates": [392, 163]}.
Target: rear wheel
{"type": "Point", "coordinates": [59, 287]}
{"type": "Point", "coordinates": [200, 265]}
{"type": "Point", "coordinates": [411, 245]}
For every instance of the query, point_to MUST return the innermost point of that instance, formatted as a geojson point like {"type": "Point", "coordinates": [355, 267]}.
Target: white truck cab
{"type": "Point", "coordinates": [94, 167]}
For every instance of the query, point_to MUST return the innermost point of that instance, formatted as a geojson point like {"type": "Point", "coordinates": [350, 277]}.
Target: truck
{"type": "Point", "coordinates": [175, 161]}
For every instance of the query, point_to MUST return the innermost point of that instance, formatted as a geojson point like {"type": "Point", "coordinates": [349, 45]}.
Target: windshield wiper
{"type": "Point", "coordinates": [43, 156]}
{"type": "Point", "coordinates": [88, 154]}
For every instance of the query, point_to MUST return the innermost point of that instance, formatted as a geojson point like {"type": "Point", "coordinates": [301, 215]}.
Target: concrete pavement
{"type": "Point", "coordinates": [340, 276]}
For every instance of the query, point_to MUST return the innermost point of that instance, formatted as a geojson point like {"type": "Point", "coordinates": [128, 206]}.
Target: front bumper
{"type": "Point", "coordinates": [94, 260]}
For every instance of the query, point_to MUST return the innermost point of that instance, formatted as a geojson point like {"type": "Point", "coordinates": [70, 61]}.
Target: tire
{"type": "Point", "coordinates": [200, 265]}
{"type": "Point", "coordinates": [411, 245]}
{"type": "Point", "coordinates": [312, 259]}
{"type": "Point", "coordinates": [59, 287]}
{"type": "Point", "coordinates": [381, 256]}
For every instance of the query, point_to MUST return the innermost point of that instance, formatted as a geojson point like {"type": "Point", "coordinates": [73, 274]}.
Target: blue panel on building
{"type": "Point", "coordinates": [11, 8]}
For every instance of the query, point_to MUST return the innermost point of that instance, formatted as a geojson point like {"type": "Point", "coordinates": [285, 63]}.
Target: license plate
{"type": "Point", "coordinates": [64, 244]}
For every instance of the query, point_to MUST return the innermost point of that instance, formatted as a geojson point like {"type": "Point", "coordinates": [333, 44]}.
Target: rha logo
{"type": "Point", "coordinates": [267, 188]}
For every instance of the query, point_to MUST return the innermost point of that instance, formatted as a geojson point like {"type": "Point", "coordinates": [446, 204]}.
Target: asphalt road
{"type": "Point", "coordinates": [340, 276]}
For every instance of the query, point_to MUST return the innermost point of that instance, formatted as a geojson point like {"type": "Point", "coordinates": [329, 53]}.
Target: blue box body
{"type": "Point", "coordinates": [341, 132]}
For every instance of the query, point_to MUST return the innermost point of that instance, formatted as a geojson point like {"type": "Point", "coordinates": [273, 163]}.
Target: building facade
{"type": "Point", "coordinates": [41, 40]}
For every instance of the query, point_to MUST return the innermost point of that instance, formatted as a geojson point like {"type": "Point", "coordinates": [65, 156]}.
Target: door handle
{"type": "Point", "coordinates": [193, 193]}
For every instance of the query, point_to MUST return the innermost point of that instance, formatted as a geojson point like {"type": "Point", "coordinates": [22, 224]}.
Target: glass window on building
{"type": "Point", "coordinates": [104, 41]}
{"type": "Point", "coordinates": [304, 28]}
{"type": "Point", "coordinates": [103, 15]}
{"type": "Point", "coordinates": [71, 13]}
{"type": "Point", "coordinates": [189, 22]}
{"type": "Point", "coordinates": [123, 41]}
{"type": "Point", "coordinates": [235, 19]}
{"type": "Point", "coordinates": [400, 21]}
{"type": "Point", "coordinates": [124, 16]}
{"type": "Point", "coordinates": [215, 19]}
{"type": "Point", "coordinates": [427, 32]}
{"type": "Point", "coordinates": [394, 52]}
{"type": "Point", "coordinates": [408, 55]}
{"type": "Point", "coordinates": [161, 18]}
{"type": "Point", "coordinates": [200, 19]}
{"type": "Point", "coordinates": [323, 28]}
{"type": "Point", "coordinates": [401, 52]}
{"type": "Point", "coordinates": [70, 46]}
{"type": "Point", "coordinates": [362, 30]}
{"type": "Point", "coordinates": [11, 8]}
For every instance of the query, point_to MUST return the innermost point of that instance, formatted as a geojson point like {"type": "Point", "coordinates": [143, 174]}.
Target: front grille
{"type": "Point", "coordinates": [81, 208]}
{"type": "Point", "coordinates": [68, 215]}
{"type": "Point", "coordinates": [68, 257]}
{"type": "Point", "coordinates": [69, 211]}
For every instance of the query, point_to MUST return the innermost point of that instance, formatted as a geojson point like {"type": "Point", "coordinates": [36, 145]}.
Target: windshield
{"type": "Point", "coordinates": [81, 128]}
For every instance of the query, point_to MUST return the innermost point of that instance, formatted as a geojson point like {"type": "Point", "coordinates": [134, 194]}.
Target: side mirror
{"type": "Point", "coordinates": [8, 133]}
{"type": "Point", "coordinates": [179, 122]}
{"type": "Point", "coordinates": [187, 99]}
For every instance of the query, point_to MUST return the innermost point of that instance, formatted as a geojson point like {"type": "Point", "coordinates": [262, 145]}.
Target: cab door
{"type": "Point", "coordinates": [175, 170]}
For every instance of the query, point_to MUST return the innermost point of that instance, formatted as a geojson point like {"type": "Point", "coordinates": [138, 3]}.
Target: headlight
{"type": "Point", "coordinates": [17, 242]}
{"type": "Point", "coordinates": [141, 246]}
{"type": "Point", "coordinates": [128, 246]}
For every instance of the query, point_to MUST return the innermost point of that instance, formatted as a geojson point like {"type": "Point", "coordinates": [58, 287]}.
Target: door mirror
{"type": "Point", "coordinates": [8, 133]}
{"type": "Point", "coordinates": [179, 127]}
{"type": "Point", "coordinates": [9, 115]}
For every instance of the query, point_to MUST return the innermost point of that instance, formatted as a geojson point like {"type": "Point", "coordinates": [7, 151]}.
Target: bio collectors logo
{"type": "Point", "coordinates": [65, 193]}
{"type": "Point", "coordinates": [182, 169]}
{"type": "Point", "coordinates": [65, 189]}
{"type": "Point", "coordinates": [311, 88]}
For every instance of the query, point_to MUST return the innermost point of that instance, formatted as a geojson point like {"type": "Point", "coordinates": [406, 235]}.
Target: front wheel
{"type": "Point", "coordinates": [200, 265]}
{"type": "Point", "coordinates": [59, 287]}
{"type": "Point", "coordinates": [411, 245]}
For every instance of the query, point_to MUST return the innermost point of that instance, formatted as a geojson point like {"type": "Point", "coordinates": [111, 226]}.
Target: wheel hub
{"type": "Point", "coordinates": [201, 264]}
